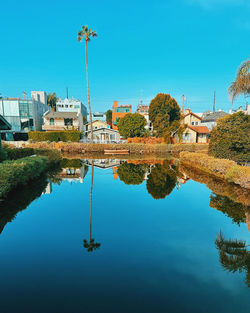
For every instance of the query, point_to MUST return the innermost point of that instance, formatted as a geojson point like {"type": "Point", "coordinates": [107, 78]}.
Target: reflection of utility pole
{"type": "Point", "coordinates": [214, 101]}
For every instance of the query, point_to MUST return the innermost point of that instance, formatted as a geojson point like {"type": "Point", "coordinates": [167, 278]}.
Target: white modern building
{"type": "Point", "coordinates": [143, 110]}
{"type": "Point", "coordinates": [97, 116]}
{"type": "Point", "coordinates": [240, 109]}
{"type": "Point", "coordinates": [71, 105]}
{"type": "Point", "coordinates": [25, 114]}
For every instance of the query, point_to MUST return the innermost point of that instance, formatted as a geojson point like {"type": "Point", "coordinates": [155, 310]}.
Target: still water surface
{"type": "Point", "coordinates": [151, 243]}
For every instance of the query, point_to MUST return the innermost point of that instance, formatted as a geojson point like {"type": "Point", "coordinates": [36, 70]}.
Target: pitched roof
{"type": "Point", "coordinates": [200, 129]}
{"type": "Point", "coordinates": [104, 129]}
{"type": "Point", "coordinates": [213, 116]}
{"type": "Point", "coordinates": [192, 114]}
{"type": "Point", "coordinates": [4, 125]}
{"type": "Point", "coordinates": [52, 114]}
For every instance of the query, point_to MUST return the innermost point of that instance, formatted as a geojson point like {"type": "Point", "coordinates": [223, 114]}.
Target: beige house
{"type": "Point", "coordinates": [194, 133]}
{"type": "Point", "coordinates": [96, 125]}
{"type": "Point", "coordinates": [190, 118]}
{"type": "Point", "coordinates": [62, 121]}
{"type": "Point", "coordinates": [104, 135]}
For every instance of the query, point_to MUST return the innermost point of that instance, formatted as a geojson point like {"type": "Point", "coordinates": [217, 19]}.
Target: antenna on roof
{"type": "Point", "coordinates": [214, 101]}
{"type": "Point", "coordinates": [24, 94]}
{"type": "Point", "coordinates": [141, 96]}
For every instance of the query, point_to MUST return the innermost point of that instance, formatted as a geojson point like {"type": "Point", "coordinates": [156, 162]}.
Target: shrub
{"type": "Point", "coordinates": [67, 135]}
{"type": "Point", "coordinates": [221, 168]}
{"type": "Point", "coordinates": [132, 125]}
{"type": "Point", "coordinates": [3, 155]}
{"type": "Point", "coordinates": [19, 172]}
{"type": "Point", "coordinates": [18, 153]}
{"type": "Point", "coordinates": [230, 138]}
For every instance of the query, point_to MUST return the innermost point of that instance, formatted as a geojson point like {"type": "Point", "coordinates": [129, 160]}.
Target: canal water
{"type": "Point", "coordinates": [123, 236]}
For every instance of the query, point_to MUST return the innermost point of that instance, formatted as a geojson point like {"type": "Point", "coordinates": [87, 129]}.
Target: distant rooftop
{"type": "Point", "coordinates": [52, 114]}
{"type": "Point", "coordinates": [212, 116]}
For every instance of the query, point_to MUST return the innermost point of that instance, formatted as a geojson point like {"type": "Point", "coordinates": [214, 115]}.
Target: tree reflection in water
{"type": "Point", "coordinates": [91, 245]}
{"type": "Point", "coordinates": [234, 255]}
{"type": "Point", "coordinates": [132, 174]}
{"type": "Point", "coordinates": [162, 180]}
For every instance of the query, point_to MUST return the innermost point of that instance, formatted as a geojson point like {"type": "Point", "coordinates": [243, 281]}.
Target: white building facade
{"type": "Point", "coordinates": [71, 105]}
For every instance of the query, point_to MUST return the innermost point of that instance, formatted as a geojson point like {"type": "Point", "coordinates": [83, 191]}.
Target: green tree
{"type": "Point", "coordinates": [131, 174]}
{"type": "Point", "coordinates": [109, 117]}
{"type": "Point", "coordinates": [230, 138]}
{"type": "Point", "coordinates": [132, 125]}
{"type": "Point", "coordinates": [234, 255]}
{"type": "Point", "coordinates": [165, 114]}
{"type": "Point", "coordinates": [51, 100]}
{"type": "Point", "coordinates": [86, 34]}
{"type": "Point", "coordinates": [162, 180]}
{"type": "Point", "coordinates": [241, 85]}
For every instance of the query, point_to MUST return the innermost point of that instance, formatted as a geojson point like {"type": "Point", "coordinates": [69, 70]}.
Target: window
{"type": "Point", "coordinates": [77, 106]}
{"type": "Point", "coordinates": [52, 122]}
{"type": "Point", "coordinates": [66, 105]}
{"type": "Point", "coordinates": [68, 121]}
{"type": "Point", "coordinates": [192, 123]}
{"type": "Point", "coordinates": [71, 106]}
{"type": "Point", "coordinates": [196, 123]}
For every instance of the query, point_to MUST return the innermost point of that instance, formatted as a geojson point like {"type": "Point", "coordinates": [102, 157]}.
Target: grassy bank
{"type": "Point", "coordinates": [133, 148]}
{"type": "Point", "coordinates": [220, 168]}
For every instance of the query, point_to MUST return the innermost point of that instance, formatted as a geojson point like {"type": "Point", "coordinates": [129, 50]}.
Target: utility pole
{"type": "Point", "coordinates": [67, 93]}
{"type": "Point", "coordinates": [141, 96]}
{"type": "Point", "coordinates": [24, 94]}
{"type": "Point", "coordinates": [214, 101]}
{"type": "Point", "coordinates": [183, 101]}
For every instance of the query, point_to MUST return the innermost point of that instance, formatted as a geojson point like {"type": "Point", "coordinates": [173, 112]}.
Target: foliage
{"type": "Point", "coordinates": [71, 163]}
{"type": "Point", "coordinates": [109, 117]}
{"type": "Point", "coordinates": [84, 120]}
{"type": "Point", "coordinates": [162, 180]}
{"type": "Point", "coordinates": [19, 172]}
{"type": "Point", "coordinates": [3, 155]}
{"type": "Point", "coordinates": [51, 100]}
{"type": "Point", "coordinates": [132, 125]}
{"type": "Point", "coordinates": [131, 174]}
{"type": "Point", "coordinates": [165, 114]}
{"type": "Point", "coordinates": [230, 138]}
{"type": "Point", "coordinates": [232, 209]}
{"type": "Point", "coordinates": [91, 245]}
{"type": "Point", "coordinates": [67, 135]}
{"type": "Point", "coordinates": [241, 85]}
{"type": "Point", "coordinates": [234, 255]}
{"type": "Point", "coordinates": [221, 168]}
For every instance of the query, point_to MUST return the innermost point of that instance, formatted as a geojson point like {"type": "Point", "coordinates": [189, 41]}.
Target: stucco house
{"type": "Point", "coordinates": [119, 111]}
{"type": "Point", "coordinates": [96, 124]}
{"type": "Point", "coordinates": [209, 119]}
{"type": "Point", "coordinates": [62, 121]}
{"type": "Point", "coordinates": [104, 135]}
{"type": "Point", "coordinates": [190, 118]}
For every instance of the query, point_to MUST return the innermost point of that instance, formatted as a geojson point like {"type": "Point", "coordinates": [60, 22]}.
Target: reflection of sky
{"type": "Point", "coordinates": [155, 255]}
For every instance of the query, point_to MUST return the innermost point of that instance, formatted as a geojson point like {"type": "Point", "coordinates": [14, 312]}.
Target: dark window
{"type": "Point", "coordinates": [68, 121]}
{"type": "Point", "coordinates": [51, 121]}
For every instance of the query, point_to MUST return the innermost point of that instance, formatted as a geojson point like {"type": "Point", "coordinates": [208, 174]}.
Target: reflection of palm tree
{"type": "Point", "coordinates": [234, 255]}
{"type": "Point", "coordinates": [91, 245]}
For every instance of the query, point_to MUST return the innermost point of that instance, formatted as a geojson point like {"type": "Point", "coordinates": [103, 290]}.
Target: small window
{"type": "Point", "coordinates": [192, 123]}
{"type": "Point", "coordinates": [52, 122]}
{"type": "Point", "coordinates": [68, 121]}
{"type": "Point", "coordinates": [66, 105]}
{"type": "Point", "coordinates": [196, 123]}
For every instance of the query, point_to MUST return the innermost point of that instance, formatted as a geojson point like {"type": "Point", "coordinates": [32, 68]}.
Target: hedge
{"type": "Point", "coordinates": [19, 172]}
{"type": "Point", "coordinates": [67, 135]}
{"type": "Point", "coordinates": [223, 169]}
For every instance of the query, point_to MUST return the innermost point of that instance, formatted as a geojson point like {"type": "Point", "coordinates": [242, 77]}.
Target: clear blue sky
{"type": "Point", "coordinates": [190, 47]}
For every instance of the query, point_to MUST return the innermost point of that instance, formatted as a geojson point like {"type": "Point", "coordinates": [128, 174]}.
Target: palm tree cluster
{"type": "Point", "coordinates": [241, 85]}
{"type": "Point", "coordinates": [51, 100]}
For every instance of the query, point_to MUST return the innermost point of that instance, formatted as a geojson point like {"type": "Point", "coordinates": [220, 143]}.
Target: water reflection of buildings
{"type": "Point", "coordinates": [102, 163]}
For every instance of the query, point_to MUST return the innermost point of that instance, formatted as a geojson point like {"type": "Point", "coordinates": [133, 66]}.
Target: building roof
{"type": "Point", "coordinates": [213, 116]}
{"type": "Point", "coordinates": [52, 114]}
{"type": "Point", "coordinates": [200, 129]}
{"type": "Point", "coordinates": [103, 128]}
{"type": "Point", "coordinates": [4, 125]}
{"type": "Point", "coordinates": [192, 114]}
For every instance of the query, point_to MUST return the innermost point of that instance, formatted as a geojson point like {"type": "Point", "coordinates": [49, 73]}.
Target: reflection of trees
{"type": "Point", "coordinates": [131, 174]}
{"type": "Point", "coordinates": [91, 245]}
{"type": "Point", "coordinates": [19, 199]}
{"type": "Point", "coordinates": [234, 255]}
{"type": "Point", "coordinates": [232, 209]}
{"type": "Point", "coordinates": [162, 180]}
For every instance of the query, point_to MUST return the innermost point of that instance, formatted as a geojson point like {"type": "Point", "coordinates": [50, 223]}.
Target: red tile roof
{"type": "Point", "coordinates": [193, 115]}
{"type": "Point", "coordinates": [200, 129]}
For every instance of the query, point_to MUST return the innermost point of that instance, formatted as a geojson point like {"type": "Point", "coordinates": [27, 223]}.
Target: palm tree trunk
{"type": "Point", "coordinates": [91, 191]}
{"type": "Point", "coordinates": [90, 116]}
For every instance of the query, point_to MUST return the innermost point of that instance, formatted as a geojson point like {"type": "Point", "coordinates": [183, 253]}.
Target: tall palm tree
{"type": "Point", "coordinates": [51, 100]}
{"type": "Point", "coordinates": [86, 34]}
{"type": "Point", "coordinates": [241, 85]}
